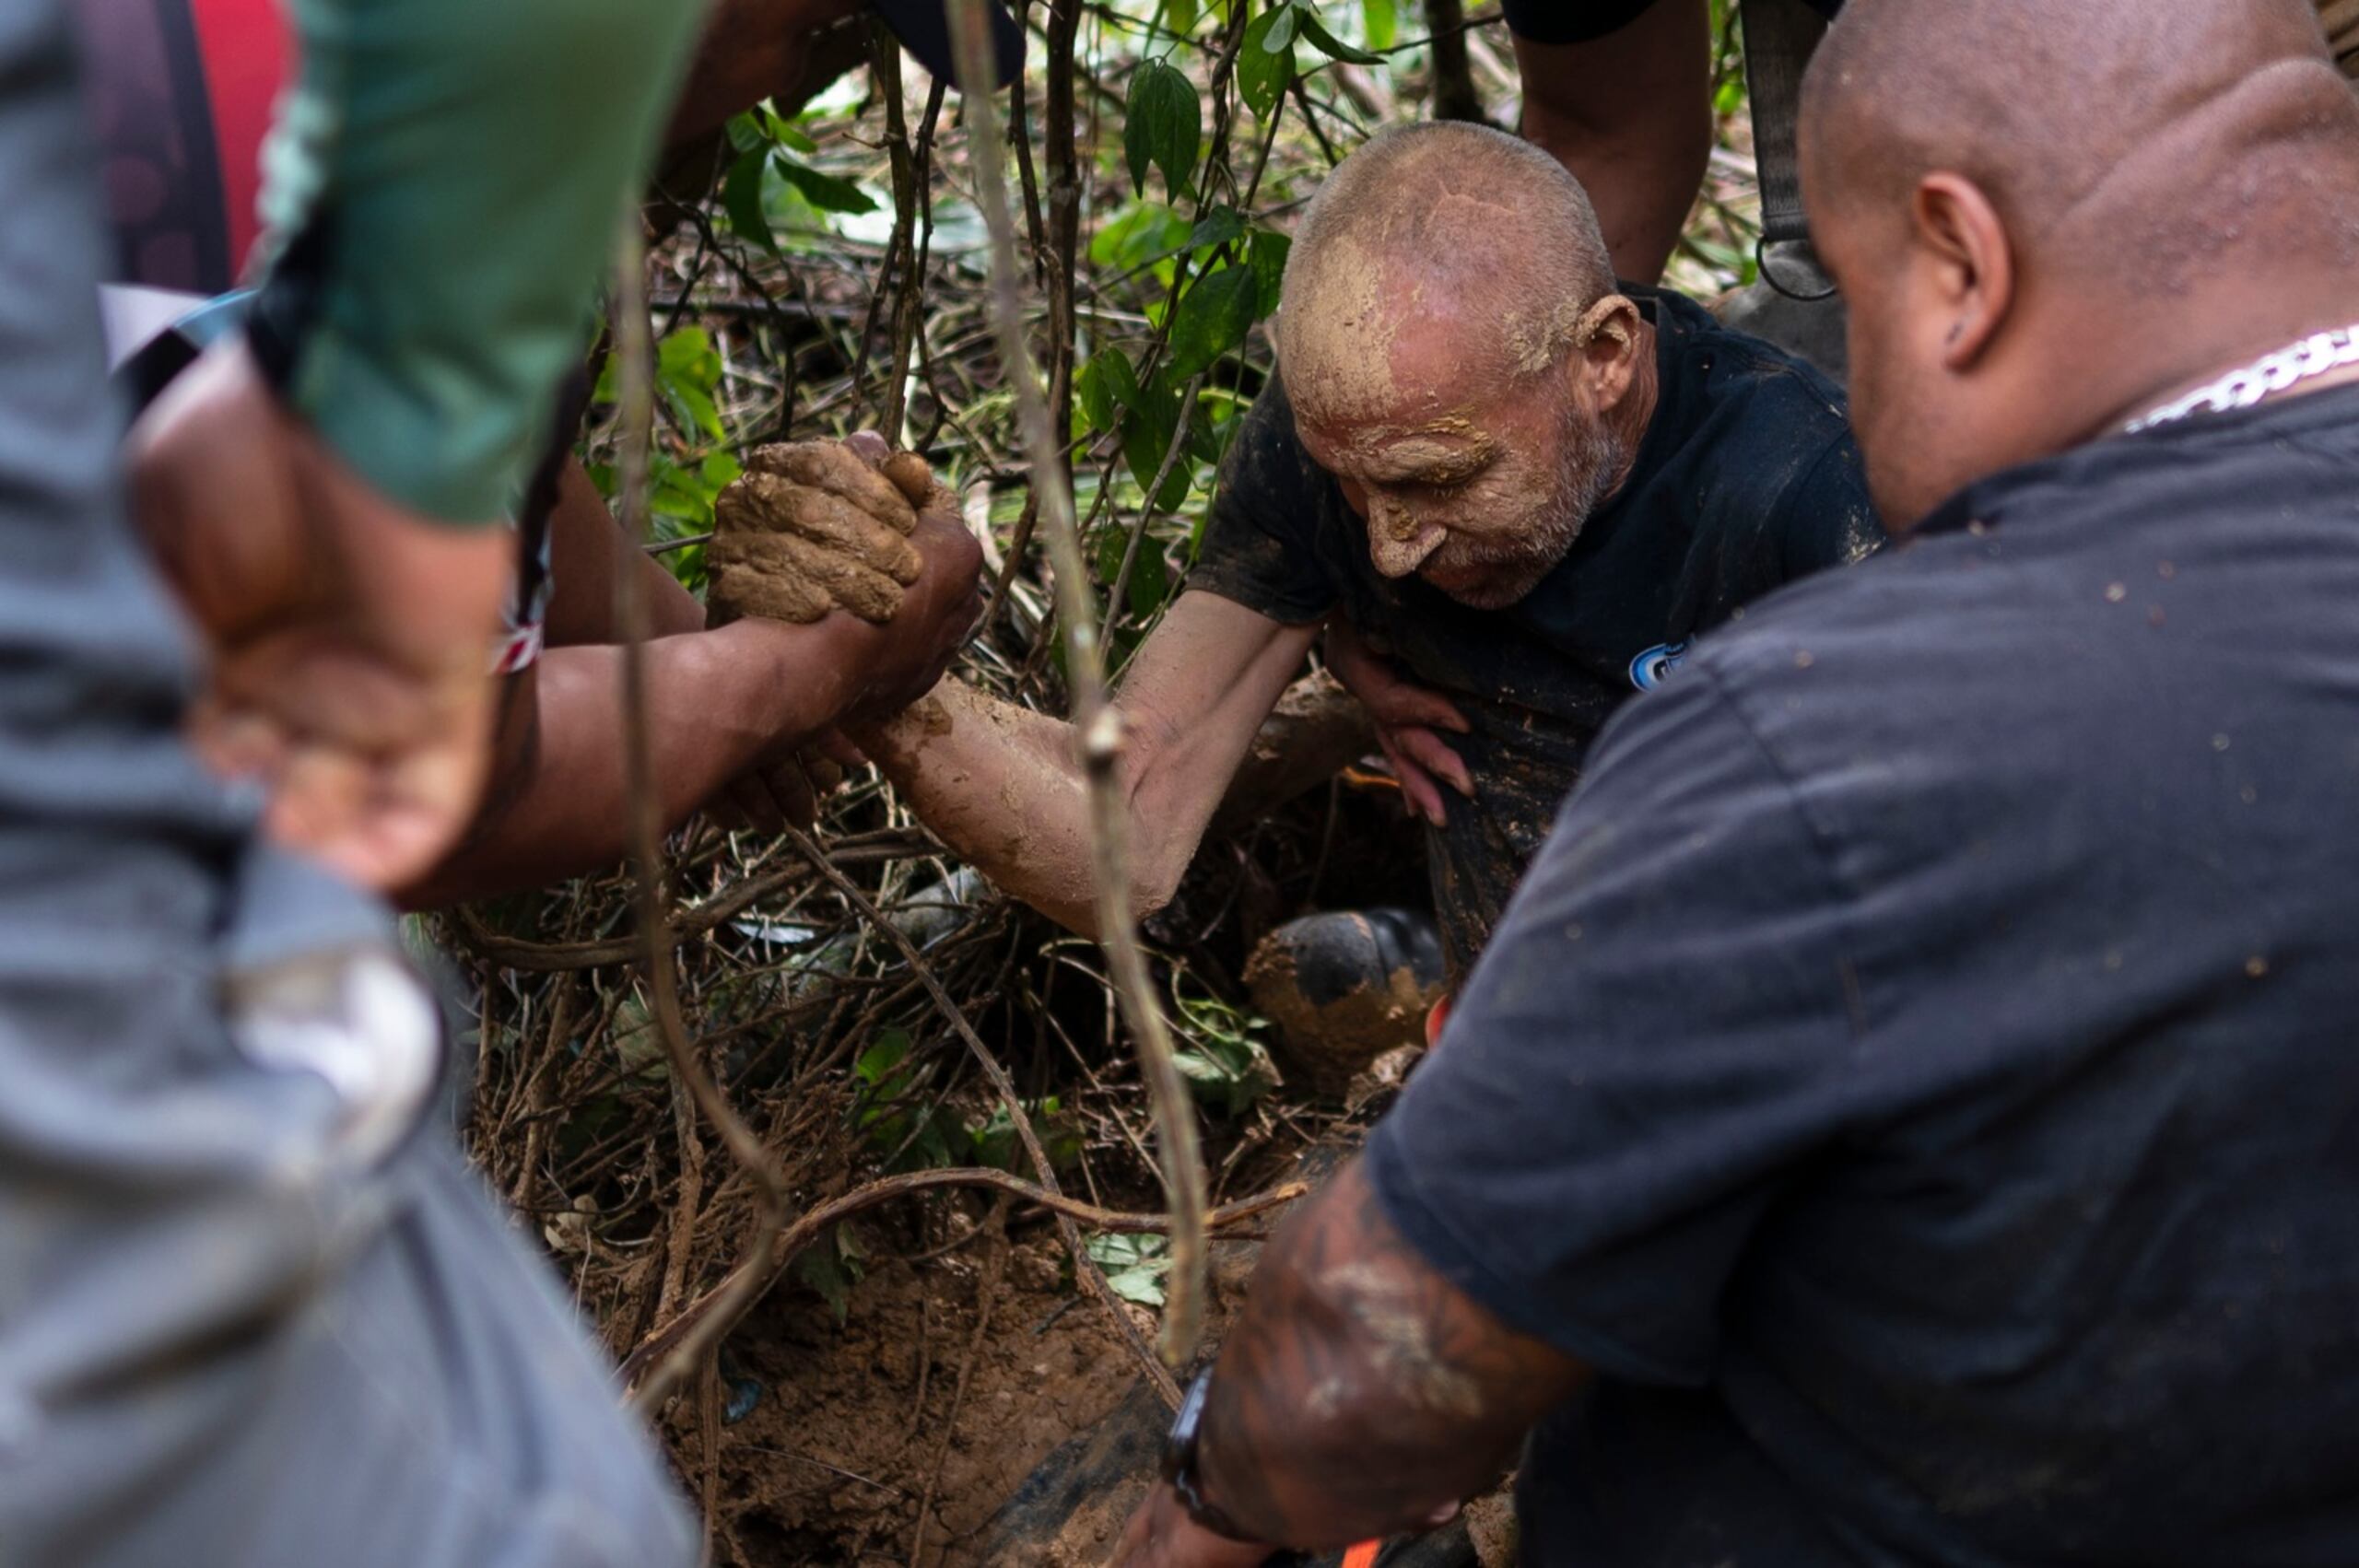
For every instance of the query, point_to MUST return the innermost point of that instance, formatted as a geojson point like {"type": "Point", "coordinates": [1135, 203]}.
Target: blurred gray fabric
{"type": "Point", "coordinates": [233, 1327]}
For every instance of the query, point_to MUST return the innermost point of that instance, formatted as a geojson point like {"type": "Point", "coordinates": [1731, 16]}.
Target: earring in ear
{"type": "Point", "coordinates": [1957, 330]}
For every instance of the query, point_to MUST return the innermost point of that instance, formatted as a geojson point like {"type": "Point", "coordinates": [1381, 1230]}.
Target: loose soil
{"type": "Point", "coordinates": [832, 1465]}
{"type": "Point", "coordinates": [836, 1459]}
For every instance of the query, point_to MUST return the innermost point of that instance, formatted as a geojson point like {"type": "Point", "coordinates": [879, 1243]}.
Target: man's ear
{"type": "Point", "coordinates": [1960, 234]}
{"type": "Point", "coordinates": [1605, 349]}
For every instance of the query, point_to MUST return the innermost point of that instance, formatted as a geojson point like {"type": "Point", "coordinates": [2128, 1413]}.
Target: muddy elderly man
{"type": "Point", "coordinates": [1527, 487]}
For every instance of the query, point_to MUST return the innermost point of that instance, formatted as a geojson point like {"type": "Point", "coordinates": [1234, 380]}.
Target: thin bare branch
{"type": "Point", "coordinates": [1096, 720]}
{"type": "Point", "coordinates": [636, 347]}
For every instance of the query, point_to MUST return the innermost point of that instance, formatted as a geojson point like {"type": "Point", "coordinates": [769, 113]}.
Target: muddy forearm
{"type": "Point", "coordinates": [587, 549]}
{"type": "Point", "coordinates": [1000, 785]}
{"type": "Point", "coordinates": [1360, 1393]}
{"type": "Point", "coordinates": [718, 702]}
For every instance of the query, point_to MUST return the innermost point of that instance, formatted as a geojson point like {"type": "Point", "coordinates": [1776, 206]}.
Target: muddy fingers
{"type": "Point", "coordinates": [764, 503]}
{"type": "Point", "coordinates": [747, 582]}
{"type": "Point", "coordinates": [811, 527]}
{"type": "Point", "coordinates": [788, 577]}
{"type": "Point", "coordinates": [913, 477]}
{"type": "Point", "coordinates": [835, 468]}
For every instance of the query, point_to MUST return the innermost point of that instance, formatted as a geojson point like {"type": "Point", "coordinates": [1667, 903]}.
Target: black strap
{"type": "Point", "coordinates": [1780, 36]}
{"type": "Point", "coordinates": [288, 303]}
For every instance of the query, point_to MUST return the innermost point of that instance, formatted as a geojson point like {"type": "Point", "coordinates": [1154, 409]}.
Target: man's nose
{"type": "Point", "coordinates": [1397, 542]}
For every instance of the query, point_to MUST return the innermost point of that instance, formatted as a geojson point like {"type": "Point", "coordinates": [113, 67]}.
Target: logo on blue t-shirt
{"type": "Point", "coordinates": [1654, 667]}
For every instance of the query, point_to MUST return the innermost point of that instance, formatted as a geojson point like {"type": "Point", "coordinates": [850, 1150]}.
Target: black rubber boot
{"type": "Point", "coordinates": [1344, 988]}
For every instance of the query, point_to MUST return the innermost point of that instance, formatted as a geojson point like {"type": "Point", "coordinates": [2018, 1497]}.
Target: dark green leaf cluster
{"type": "Point", "coordinates": [917, 1133]}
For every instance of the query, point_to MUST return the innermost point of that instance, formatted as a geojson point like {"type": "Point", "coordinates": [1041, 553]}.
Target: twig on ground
{"type": "Point", "coordinates": [701, 1312]}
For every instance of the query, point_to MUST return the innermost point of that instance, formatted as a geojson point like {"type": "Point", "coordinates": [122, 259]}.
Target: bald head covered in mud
{"type": "Point", "coordinates": [2027, 271]}
{"type": "Point", "coordinates": [1459, 358]}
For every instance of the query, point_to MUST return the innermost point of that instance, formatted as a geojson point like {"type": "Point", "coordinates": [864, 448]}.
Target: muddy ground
{"type": "Point", "coordinates": [944, 1387]}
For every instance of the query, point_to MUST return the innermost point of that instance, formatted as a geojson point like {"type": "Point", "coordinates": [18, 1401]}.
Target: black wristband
{"type": "Point", "coordinates": [1179, 1466]}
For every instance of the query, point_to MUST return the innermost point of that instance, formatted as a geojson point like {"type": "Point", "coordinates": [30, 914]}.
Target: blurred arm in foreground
{"type": "Point", "coordinates": [252, 1302]}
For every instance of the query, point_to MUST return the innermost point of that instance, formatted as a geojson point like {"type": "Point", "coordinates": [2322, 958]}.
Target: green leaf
{"type": "Point", "coordinates": [892, 1047]}
{"type": "Point", "coordinates": [1155, 401]}
{"type": "Point", "coordinates": [1123, 380]}
{"type": "Point", "coordinates": [1334, 48]}
{"type": "Point", "coordinates": [687, 369]}
{"type": "Point", "coordinates": [1135, 1265]}
{"type": "Point", "coordinates": [1263, 72]}
{"type": "Point", "coordinates": [1142, 451]}
{"type": "Point", "coordinates": [1281, 34]}
{"type": "Point", "coordinates": [1265, 254]}
{"type": "Point", "coordinates": [822, 191]}
{"type": "Point", "coordinates": [1214, 317]}
{"type": "Point", "coordinates": [1146, 436]}
{"type": "Point", "coordinates": [1163, 124]}
{"type": "Point", "coordinates": [1217, 227]}
{"type": "Point", "coordinates": [1139, 233]}
{"type": "Point", "coordinates": [1150, 583]}
{"type": "Point", "coordinates": [995, 1141]}
{"type": "Point", "coordinates": [744, 132]}
{"type": "Point", "coordinates": [817, 1267]}
{"type": "Point", "coordinates": [1106, 386]}
{"type": "Point", "coordinates": [1112, 540]}
{"type": "Point", "coordinates": [681, 494]}
{"type": "Point", "coordinates": [1382, 23]}
{"type": "Point", "coordinates": [932, 1148]}
{"type": "Point", "coordinates": [1180, 16]}
{"type": "Point", "coordinates": [1143, 1286]}
{"type": "Point", "coordinates": [1204, 442]}
{"type": "Point", "coordinates": [689, 353]}
{"type": "Point", "coordinates": [785, 131]}
{"type": "Point", "coordinates": [1227, 1074]}
{"type": "Point", "coordinates": [1224, 1064]}
{"type": "Point", "coordinates": [740, 198]}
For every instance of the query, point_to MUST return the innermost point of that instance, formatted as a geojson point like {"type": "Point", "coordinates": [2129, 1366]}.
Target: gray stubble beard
{"type": "Point", "coordinates": [1592, 460]}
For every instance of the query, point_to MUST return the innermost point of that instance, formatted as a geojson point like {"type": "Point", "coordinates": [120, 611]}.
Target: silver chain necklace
{"type": "Point", "coordinates": [2318, 354]}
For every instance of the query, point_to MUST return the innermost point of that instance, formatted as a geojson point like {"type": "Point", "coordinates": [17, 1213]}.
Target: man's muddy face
{"type": "Point", "coordinates": [1480, 497]}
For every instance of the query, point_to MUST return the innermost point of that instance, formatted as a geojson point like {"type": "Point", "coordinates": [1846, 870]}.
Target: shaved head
{"type": "Point", "coordinates": [2071, 113]}
{"type": "Point", "coordinates": [2045, 212]}
{"type": "Point", "coordinates": [1458, 357]}
{"type": "Point", "coordinates": [1437, 220]}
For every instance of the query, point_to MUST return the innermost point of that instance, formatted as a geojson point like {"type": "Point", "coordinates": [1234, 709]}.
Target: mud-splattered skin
{"type": "Point", "coordinates": [1744, 480]}
{"type": "Point", "coordinates": [1360, 1392]}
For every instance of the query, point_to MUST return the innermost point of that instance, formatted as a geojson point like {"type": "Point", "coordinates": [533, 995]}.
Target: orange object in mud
{"type": "Point", "coordinates": [1363, 1555]}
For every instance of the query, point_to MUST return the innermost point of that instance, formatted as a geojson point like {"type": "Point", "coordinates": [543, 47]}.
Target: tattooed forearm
{"type": "Point", "coordinates": [1360, 1392]}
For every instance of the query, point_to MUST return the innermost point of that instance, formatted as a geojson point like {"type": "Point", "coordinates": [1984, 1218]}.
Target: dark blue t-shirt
{"type": "Point", "coordinates": [1747, 479]}
{"type": "Point", "coordinates": [1921, 1073]}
